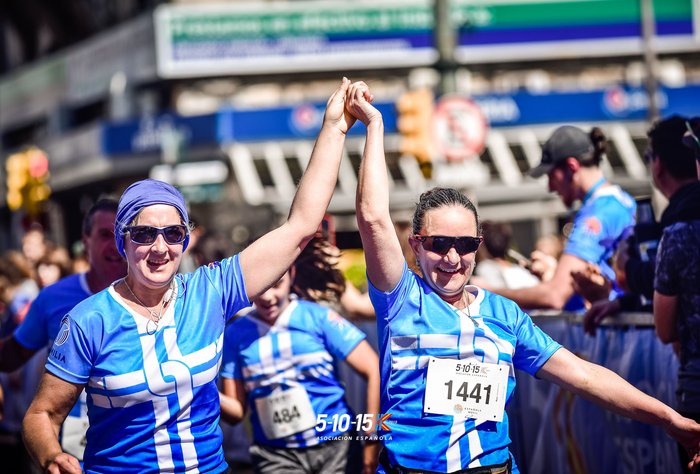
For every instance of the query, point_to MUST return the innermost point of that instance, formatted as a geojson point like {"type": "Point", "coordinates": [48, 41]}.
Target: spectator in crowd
{"type": "Point", "coordinates": [677, 273]}
{"type": "Point", "coordinates": [17, 291]}
{"type": "Point", "coordinates": [147, 349]}
{"type": "Point", "coordinates": [544, 259]}
{"type": "Point", "coordinates": [53, 266]}
{"type": "Point", "coordinates": [211, 246]}
{"type": "Point", "coordinates": [43, 320]}
{"type": "Point", "coordinates": [571, 160]}
{"type": "Point", "coordinates": [279, 361]}
{"type": "Point", "coordinates": [189, 259]}
{"type": "Point", "coordinates": [436, 326]}
{"type": "Point", "coordinates": [494, 267]}
{"type": "Point", "coordinates": [34, 244]}
{"type": "Point", "coordinates": [673, 173]}
{"type": "Point", "coordinates": [20, 288]}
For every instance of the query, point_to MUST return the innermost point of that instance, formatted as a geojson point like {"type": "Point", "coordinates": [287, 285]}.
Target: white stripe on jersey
{"type": "Point", "coordinates": [475, 448]}
{"type": "Point", "coordinates": [437, 341]}
{"type": "Point", "coordinates": [202, 356]}
{"type": "Point", "coordinates": [453, 454]}
{"type": "Point", "coordinates": [467, 339]}
{"type": "Point", "coordinates": [121, 401]}
{"type": "Point", "coordinates": [160, 434]}
{"type": "Point", "coordinates": [118, 382]}
{"type": "Point", "coordinates": [284, 345]}
{"type": "Point", "coordinates": [404, 363]}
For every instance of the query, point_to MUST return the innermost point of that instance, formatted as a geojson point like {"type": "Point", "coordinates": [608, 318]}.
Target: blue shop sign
{"type": "Point", "coordinates": [304, 121]}
{"type": "Point", "coordinates": [301, 122]}
{"type": "Point", "coordinates": [149, 133]}
{"type": "Point", "coordinates": [614, 103]}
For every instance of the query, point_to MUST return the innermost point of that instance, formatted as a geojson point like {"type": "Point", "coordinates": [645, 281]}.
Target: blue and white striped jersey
{"type": "Point", "coordinates": [153, 403]}
{"type": "Point", "coordinates": [297, 350]}
{"type": "Point", "coordinates": [414, 324]}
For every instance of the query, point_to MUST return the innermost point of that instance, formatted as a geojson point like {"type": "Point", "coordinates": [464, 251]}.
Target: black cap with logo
{"type": "Point", "coordinates": [566, 141]}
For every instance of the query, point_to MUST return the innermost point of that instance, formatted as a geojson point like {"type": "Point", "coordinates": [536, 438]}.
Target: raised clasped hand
{"type": "Point", "coordinates": [337, 114]}
{"type": "Point", "coordinates": [359, 103]}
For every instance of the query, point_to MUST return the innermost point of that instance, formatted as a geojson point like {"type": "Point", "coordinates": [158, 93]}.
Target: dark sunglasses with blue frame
{"type": "Point", "coordinates": [146, 234]}
{"type": "Point", "coordinates": [442, 244]}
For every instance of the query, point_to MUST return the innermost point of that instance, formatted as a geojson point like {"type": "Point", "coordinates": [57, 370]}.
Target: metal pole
{"type": "Point", "coordinates": [445, 41]}
{"type": "Point", "coordinates": [650, 63]}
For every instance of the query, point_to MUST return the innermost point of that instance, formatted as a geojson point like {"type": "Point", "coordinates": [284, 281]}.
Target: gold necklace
{"type": "Point", "coordinates": [155, 317]}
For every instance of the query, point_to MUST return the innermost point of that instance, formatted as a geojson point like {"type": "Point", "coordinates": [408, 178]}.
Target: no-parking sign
{"type": "Point", "coordinates": [459, 127]}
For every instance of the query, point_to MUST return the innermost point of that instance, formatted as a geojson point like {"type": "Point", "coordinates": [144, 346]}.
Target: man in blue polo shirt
{"type": "Point", "coordinates": [43, 320]}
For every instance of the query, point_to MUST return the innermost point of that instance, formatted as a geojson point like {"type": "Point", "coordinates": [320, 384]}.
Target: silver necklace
{"type": "Point", "coordinates": [154, 320]}
{"type": "Point", "coordinates": [468, 311]}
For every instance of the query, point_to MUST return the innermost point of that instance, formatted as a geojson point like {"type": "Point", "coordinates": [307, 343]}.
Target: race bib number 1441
{"type": "Point", "coordinates": [466, 389]}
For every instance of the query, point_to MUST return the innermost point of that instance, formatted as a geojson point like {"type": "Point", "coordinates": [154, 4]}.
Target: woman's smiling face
{"type": "Point", "coordinates": [154, 265]}
{"type": "Point", "coordinates": [446, 274]}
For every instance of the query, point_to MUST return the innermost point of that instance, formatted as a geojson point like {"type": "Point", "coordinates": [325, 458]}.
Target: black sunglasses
{"type": "Point", "coordinates": [146, 234]}
{"type": "Point", "coordinates": [442, 244]}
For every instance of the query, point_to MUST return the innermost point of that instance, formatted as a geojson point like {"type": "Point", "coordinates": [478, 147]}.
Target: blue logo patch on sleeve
{"type": "Point", "coordinates": [63, 332]}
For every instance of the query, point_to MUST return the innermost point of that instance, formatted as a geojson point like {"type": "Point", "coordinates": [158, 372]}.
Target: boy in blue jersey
{"type": "Point", "coordinates": [147, 349]}
{"type": "Point", "coordinates": [449, 350]}
{"type": "Point", "coordinates": [279, 360]}
{"type": "Point", "coordinates": [55, 301]}
{"type": "Point", "coordinates": [571, 160]}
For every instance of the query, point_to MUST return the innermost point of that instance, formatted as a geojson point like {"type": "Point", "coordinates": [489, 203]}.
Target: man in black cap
{"type": "Point", "coordinates": [571, 160]}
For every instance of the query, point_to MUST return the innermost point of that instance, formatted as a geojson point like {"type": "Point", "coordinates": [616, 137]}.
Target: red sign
{"type": "Point", "coordinates": [459, 128]}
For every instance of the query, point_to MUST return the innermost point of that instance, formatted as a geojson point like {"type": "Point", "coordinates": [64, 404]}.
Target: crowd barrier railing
{"type": "Point", "coordinates": [554, 431]}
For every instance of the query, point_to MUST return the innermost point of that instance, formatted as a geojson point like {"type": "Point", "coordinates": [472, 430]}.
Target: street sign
{"type": "Point", "coordinates": [459, 128]}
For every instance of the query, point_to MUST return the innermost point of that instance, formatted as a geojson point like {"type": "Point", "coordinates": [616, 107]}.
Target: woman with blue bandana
{"type": "Point", "coordinates": [147, 350]}
{"type": "Point", "coordinates": [449, 350]}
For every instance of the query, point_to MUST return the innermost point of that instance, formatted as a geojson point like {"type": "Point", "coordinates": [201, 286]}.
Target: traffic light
{"type": "Point", "coordinates": [17, 168]}
{"type": "Point", "coordinates": [38, 191]}
{"type": "Point", "coordinates": [415, 124]}
{"type": "Point", "coordinates": [27, 180]}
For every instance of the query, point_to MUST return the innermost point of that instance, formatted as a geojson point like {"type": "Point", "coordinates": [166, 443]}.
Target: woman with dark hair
{"type": "Point", "coordinates": [147, 349]}
{"type": "Point", "coordinates": [449, 350]}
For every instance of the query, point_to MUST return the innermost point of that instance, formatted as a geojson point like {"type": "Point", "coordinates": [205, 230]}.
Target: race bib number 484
{"type": "Point", "coordinates": [466, 389]}
{"type": "Point", "coordinates": [284, 413]}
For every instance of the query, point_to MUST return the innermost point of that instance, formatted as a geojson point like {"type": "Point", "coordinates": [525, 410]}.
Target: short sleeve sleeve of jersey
{"type": "Point", "coordinates": [534, 346]}
{"type": "Point", "coordinates": [341, 336]}
{"type": "Point", "coordinates": [230, 369]}
{"type": "Point", "coordinates": [383, 303]}
{"type": "Point", "coordinates": [32, 333]}
{"type": "Point", "coordinates": [595, 227]}
{"type": "Point", "coordinates": [227, 277]}
{"type": "Point", "coordinates": [666, 276]}
{"type": "Point", "coordinates": [70, 357]}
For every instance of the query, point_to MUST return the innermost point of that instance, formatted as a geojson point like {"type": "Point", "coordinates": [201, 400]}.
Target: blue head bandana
{"type": "Point", "coordinates": [142, 194]}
